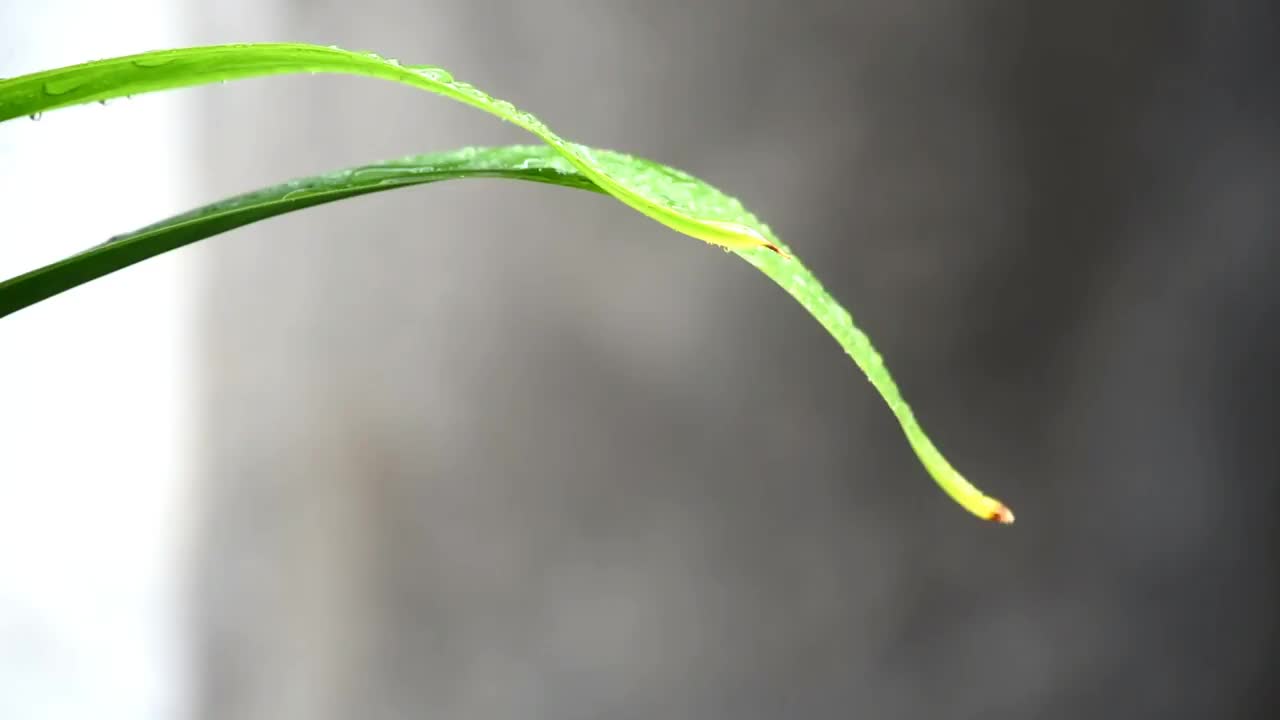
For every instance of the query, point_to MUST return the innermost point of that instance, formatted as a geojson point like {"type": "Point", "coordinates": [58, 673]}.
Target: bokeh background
{"type": "Point", "coordinates": [490, 450]}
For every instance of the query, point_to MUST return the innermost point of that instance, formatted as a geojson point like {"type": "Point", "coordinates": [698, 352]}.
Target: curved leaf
{"type": "Point", "coordinates": [186, 67]}
{"type": "Point", "coordinates": [529, 163]}
{"type": "Point", "coordinates": [519, 162]}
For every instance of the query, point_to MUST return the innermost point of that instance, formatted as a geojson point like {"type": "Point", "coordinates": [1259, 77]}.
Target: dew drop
{"type": "Point", "coordinates": [36, 116]}
{"type": "Point", "coordinates": [61, 86]}
{"type": "Point", "coordinates": [435, 74]}
{"type": "Point", "coordinates": [471, 90]}
{"type": "Point", "coordinates": [152, 62]}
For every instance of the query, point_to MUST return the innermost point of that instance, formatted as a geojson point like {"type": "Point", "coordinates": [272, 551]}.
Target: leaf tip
{"type": "Point", "coordinates": [1001, 514]}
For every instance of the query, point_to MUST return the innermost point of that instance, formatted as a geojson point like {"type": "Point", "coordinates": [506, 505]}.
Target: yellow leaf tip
{"type": "Point", "coordinates": [1002, 514]}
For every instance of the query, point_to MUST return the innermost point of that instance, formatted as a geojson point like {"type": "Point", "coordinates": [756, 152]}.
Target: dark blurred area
{"type": "Point", "coordinates": [487, 450]}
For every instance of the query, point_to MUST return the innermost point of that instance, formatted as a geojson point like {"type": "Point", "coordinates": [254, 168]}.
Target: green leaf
{"type": "Point", "coordinates": [37, 93]}
{"type": "Point", "coordinates": [521, 162]}
{"type": "Point", "coordinates": [669, 196]}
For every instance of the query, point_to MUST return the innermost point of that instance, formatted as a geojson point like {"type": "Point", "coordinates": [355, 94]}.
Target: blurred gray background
{"type": "Point", "coordinates": [488, 450]}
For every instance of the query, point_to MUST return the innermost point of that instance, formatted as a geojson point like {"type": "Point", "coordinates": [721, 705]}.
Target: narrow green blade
{"type": "Point", "coordinates": [529, 163]}
{"type": "Point", "coordinates": [41, 92]}
{"type": "Point", "coordinates": [670, 197]}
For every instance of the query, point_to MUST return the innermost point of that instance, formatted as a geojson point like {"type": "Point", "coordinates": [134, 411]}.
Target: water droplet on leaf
{"type": "Point", "coordinates": [151, 62]}
{"type": "Point", "coordinates": [61, 86]}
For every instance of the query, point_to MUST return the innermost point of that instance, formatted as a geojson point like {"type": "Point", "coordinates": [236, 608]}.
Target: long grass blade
{"type": "Point", "coordinates": [31, 95]}
{"type": "Point", "coordinates": [529, 163]}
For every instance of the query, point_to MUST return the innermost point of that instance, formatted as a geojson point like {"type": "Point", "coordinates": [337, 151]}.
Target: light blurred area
{"type": "Point", "coordinates": [486, 450]}
{"type": "Point", "coordinates": [94, 386]}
